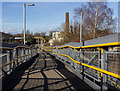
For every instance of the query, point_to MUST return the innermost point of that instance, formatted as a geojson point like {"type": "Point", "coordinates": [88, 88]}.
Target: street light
{"type": "Point", "coordinates": [81, 42]}
{"type": "Point", "coordinates": [25, 18]}
{"type": "Point", "coordinates": [80, 26]}
{"type": "Point", "coordinates": [30, 4]}
{"type": "Point", "coordinates": [80, 29]}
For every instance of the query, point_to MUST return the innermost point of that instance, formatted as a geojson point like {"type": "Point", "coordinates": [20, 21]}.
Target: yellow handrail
{"type": "Point", "coordinates": [88, 46]}
{"type": "Point", "coordinates": [92, 67]}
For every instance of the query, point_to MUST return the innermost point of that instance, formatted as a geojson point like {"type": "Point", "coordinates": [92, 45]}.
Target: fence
{"type": "Point", "coordinates": [12, 57]}
{"type": "Point", "coordinates": [93, 62]}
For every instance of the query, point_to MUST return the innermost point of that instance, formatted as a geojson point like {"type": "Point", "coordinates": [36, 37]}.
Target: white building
{"type": "Point", "coordinates": [56, 36]}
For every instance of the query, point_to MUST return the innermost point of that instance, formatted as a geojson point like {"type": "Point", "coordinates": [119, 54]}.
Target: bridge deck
{"type": "Point", "coordinates": [45, 72]}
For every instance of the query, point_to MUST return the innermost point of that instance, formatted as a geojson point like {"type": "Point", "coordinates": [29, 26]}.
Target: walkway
{"type": "Point", "coordinates": [42, 73]}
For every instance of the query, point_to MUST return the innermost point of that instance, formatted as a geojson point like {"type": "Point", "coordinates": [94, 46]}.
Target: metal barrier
{"type": "Point", "coordinates": [93, 62]}
{"type": "Point", "coordinates": [13, 57]}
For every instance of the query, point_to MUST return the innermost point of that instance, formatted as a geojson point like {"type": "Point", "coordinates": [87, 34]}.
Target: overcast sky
{"type": "Point", "coordinates": [43, 17]}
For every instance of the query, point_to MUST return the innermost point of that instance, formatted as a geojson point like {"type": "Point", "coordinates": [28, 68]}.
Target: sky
{"type": "Point", "coordinates": [43, 17]}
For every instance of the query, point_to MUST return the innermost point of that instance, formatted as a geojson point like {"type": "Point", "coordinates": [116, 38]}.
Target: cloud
{"type": "Point", "coordinates": [11, 30]}
{"type": "Point", "coordinates": [12, 27]}
{"type": "Point", "coordinates": [43, 30]}
{"type": "Point", "coordinates": [18, 27]}
{"type": "Point", "coordinates": [50, 28]}
{"type": "Point", "coordinates": [12, 24]}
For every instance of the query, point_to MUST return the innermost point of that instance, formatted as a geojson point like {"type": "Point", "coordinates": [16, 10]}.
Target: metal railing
{"type": "Point", "coordinates": [93, 62]}
{"type": "Point", "coordinates": [13, 57]}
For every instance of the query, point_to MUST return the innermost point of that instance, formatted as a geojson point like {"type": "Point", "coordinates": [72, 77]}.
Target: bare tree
{"type": "Point", "coordinates": [29, 37]}
{"type": "Point", "coordinates": [97, 19]}
{"type": "Point", "coordinates": [40, 34]}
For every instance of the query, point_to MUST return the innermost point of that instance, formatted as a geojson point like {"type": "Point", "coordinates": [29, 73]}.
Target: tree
{"type": "Point", "coordinates": [29, 38]}
{"type": "Point", "coordinates": [97, 18]}
{"type": "Point", "coordinates": [40, 34]}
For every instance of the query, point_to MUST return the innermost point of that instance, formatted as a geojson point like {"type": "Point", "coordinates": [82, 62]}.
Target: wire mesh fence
{"type": "Point", "coordinates": [111, 63]}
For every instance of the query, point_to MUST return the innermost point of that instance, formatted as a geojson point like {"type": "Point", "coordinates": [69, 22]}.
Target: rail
{"type": "Point", "coordinates": [92, 67]}
{"type": "Point", "coordinates": [88, 58]}
{"type": "Point", "coordinates": [13, 57]}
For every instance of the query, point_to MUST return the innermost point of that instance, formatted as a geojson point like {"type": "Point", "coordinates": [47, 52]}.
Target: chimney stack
{"type": "Point", "coordinates": [67, 24]}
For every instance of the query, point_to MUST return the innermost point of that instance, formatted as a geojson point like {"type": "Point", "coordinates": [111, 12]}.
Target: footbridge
{"type": "Point", "coordinates": [90, 65]}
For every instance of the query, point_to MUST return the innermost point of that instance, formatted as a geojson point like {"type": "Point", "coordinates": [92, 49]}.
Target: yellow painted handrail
{"type": "Point", "coordinates": [88, 46]}
{"type": "Point", "coordinates": [86, 65]}
{"type": "Point", "coordinates": [36, 37]}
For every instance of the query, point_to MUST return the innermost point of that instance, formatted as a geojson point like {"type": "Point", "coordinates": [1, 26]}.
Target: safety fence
{"type": "Point", "coordinates": [95, 63]}
{"type": "Point", "coordinates": [13, 57]}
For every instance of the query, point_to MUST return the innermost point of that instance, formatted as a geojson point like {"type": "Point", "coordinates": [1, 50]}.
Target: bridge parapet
{"type": "Point", "coordinates": [14, 56]}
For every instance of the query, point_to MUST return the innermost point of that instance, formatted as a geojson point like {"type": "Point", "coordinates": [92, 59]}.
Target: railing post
{"type": "Point", "coordinates": [73, 58]}
{"type": "Point", "coordinates": [103, 76]}
{"type": "Point", "coordinates": [27, 52]}
{"type": "Point", "coordinates": [31, 52]}
{"type": "Point", "coordinates": [76, 60]}
{"type": "Point", "coordinates": [14, 56]}
{"type": "Point", "coordinates": [82, 62]}
{"type": "Point", "coordinates": [17, 50]}
{"type": "Point", "coordinates": [22, 54]}
{"type": "Point", "coordinates": [8, 61]}
{"type": "Point", "coordinates": [102, 67]}
{"type": "Point", "coordinates": [35, 51]}
{"type": "Point", "coordinates": [11, 57]}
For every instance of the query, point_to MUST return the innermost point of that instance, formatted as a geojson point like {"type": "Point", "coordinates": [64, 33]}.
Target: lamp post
{"type": "Point", "coordinates": [80, 26]}
{"type": "Point", "coordinates": [81, 52]}
{"type": "Point", "coordinates": [25, 18]}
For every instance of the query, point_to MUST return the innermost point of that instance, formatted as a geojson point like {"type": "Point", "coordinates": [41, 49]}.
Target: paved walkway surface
{"type": "Point", "coordinates": [45, 73]}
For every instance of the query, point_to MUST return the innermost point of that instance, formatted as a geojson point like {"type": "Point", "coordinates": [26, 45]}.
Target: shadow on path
{"type": "Point", "coordinates": [54, 76]}
{"type": "Point", "coordinates": [76, 82]}
{"type": "Point", "coordinates": [11, 80]}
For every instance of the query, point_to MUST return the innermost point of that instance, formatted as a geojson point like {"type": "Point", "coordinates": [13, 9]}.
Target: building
{"type": "Point", "coordinates": [6, 38]}
{"type": "Point", "coordinates": [56, 36]}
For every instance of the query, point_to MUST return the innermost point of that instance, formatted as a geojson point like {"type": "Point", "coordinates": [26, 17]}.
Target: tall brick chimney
{"type": "Point", "coordinates": [67, 24]}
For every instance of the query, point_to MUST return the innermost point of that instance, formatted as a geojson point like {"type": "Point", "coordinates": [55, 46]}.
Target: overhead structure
{"type": "Point", "coordinates": [40, 40]}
